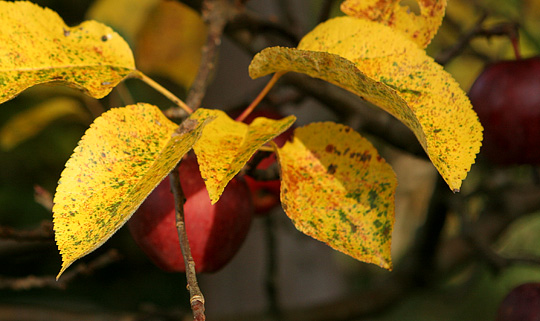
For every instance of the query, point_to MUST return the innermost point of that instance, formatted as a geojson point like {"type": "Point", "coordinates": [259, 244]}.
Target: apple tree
{"type": "Point", "coordinates": [187, 178]}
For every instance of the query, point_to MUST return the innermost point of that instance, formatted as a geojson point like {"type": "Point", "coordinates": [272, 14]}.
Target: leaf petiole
{"type": "Point", "coordinates": [164, 91]}
{"type": "Point", "coordinates": [266, 148]}
{"type": "Point", "coordinates": [260, 97]}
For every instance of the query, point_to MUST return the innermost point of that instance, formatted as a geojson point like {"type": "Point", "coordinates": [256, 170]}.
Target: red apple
{"type": "Point", "coordinates": [521, 304]}
{"type": "Point", "coordinates": [266, 194]}
{"type": "Point", "coordinates": [215, 232]}
{"type": "Point", "coordinates": [506, 97]}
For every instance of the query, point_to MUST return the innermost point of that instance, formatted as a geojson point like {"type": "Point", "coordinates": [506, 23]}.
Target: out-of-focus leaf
{"type": "Point", "coordinates": [31, 122]}
{"type": "Point", "coordinates": [336, 188]}
{"type": "Point", "coordinates": [170, 42]}
{"type": "Point", "coordinates": [125, 16]}
{"type": "Point", "coordinates": [388, 70]}
{"type": "Point", "coordinates": [121, 158]}
{"type": "Point", "coordinates": [419, 28]}
{"type": "Point", "coordinates": [226, 145]}
{"type": "Point", "coordinates": [37, 47]}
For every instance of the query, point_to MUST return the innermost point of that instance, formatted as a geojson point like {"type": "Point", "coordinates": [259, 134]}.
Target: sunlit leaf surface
{"type": "Point", "coordinates": [124, 154]}
{"type": "Point", "coordinates": [37, 47]}
{"type": "Point", "coordinates": [419, 27]}
{"type": "Point", "coordinates": [226, 145]}
{"type": "Point", "coordinates": [388, 70]}
{"type": "Point", "coordinates": [336, 188]}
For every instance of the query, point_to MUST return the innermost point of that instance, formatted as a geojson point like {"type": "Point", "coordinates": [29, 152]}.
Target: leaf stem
{"type": "Point", "coordinates": [266, 148]}
{"type": "Point", "coordinates": [195, 294]}
{"type": "Point", "coordinates": [260, 97]}
{"type": "Point", "coordinates": [164, 91]}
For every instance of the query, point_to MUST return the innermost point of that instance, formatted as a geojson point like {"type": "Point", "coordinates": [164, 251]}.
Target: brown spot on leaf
{"type": "Point", "coordinates": [332, 169]}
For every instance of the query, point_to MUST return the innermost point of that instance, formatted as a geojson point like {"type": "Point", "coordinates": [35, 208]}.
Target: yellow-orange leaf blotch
{"type": "Point", "coordinates": [227, 145]}
{"type": "Point", "coordinates": [420, 28]}
{"type": "Point", "coordinates": [121, 158]}
{"type": "Point", "coordinates": [170, 42]}
{"type": "Point", "coordinates": [336, 188]}
{"type": "Point", "coordinates": [390, 71]}
{"type": "Point", "coordinates": [37, 47]}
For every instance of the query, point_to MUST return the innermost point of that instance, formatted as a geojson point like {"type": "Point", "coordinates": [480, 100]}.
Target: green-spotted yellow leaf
{"type": "Point", "coordinates": [336, 188]}
{"type": "Point", "coordinates": [226, 145]}
{"type": "Point", "coordinates": [390, 71]}
{"type": "Point", "coordinates": [420, 28]}
{"type": "Point", "coordinates": [124, 154]}
{"type": "Point", "coordinates": [170, 42]}
{"type": "Point", "coordinates": [31, 122]}
{"type": "Point", "coordinates": [37, 47]}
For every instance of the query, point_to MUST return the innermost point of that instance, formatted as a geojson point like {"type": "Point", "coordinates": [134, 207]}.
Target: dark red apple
{"type": "Point", "coordinates": [215, 232]}
{"type": "Point", "coordinates": [506, 97]}
{"type": "Point", "coordinates": [521, 304]}
{"type": "Point", "coordinates": [265, 194]}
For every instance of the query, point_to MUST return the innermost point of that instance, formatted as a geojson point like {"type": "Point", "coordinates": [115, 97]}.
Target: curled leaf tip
{"type": "Point", "coordinates": [64, 267]}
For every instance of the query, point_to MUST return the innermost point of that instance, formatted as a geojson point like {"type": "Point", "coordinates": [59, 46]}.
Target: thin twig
{"type": "Point", "coordinates": [43, 197]}
{"type": "Point", "coordinates": [140, 75]}
{"type": "Point", "coordinates": [42, 233]}
{"type": "Point", "coordinates": [49, 281]}
{"type": "Point", "coordinates": [196, 296]}
{"type": "Point", "coordinates": [447, 55]}
{"type": "Point", "coordinates": [509, 29]}
{"type": "Point", "coordinates": [260, 96]}
{"type": "Point", "coordinates": [249, 25]}
{"type": "Point", "coordinates": [216, 13]}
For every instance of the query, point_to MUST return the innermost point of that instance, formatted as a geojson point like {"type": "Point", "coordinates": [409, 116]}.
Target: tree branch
{"type": "Point", "coordinates": [216, 13]}
{"type": "Point", "coordinates": [196, 296]}
{"type": "Point", "coordinates": [42, 233]}
{"type": "Point", "coordinates": [49, 281]}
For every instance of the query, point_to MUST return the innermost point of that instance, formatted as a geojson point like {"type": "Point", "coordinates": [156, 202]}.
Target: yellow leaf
{"type": "Point", "coordinates": [337, 189]}
{"type": "Point", "coordinates": [29, 123]}
{"type": "Point", "coordinates": [170, 42]}
{"type": "Point", "coordinates": [124, 154]}
{"type": "Point", "coordinates": [226, 145]}
{"type": "Point", "coordinates": [419, 28]}
{"type": "Point", "coordinates": [37, 47]}
{"type": "Point", "coordinates": [391, 72]}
